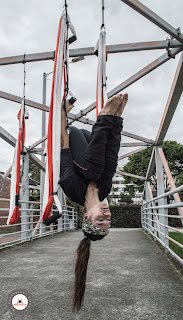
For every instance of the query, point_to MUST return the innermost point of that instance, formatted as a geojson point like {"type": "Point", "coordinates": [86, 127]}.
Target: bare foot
{"type": "Point", "coordinates": [112, 105]}
{"type": "Point", "coordinates": [121, 107]}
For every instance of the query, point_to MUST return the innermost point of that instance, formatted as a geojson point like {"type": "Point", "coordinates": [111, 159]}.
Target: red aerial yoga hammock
{"type": "Point", "coordinates": [52, 177]}
{"type": "Point", "coordinates": [15, 175]}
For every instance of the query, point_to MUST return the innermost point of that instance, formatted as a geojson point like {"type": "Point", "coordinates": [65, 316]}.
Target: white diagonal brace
{"type": "Point", "coordinates": [151, 165]}
{"type": "Point", "coordinates": [130, 175]}
{"type": "Point", "coordinates": [170, 179]}
{"type": "Point", "coordinates": [6, 174]}
{"type": "Point", "coordinates": [153, 17]}
{"type": "Point", "coordinates": [172, 102]}
{"type": "Point", "coordinates": [140, 74]}
{"type": "Point", "coordinates": [132, 152]}
{"type": "Point", "coordinates": [40, 164]}
{"type": "Point", "coordinates": [6, 136]}
{"type": "Point", "coordinates": [37, 143]}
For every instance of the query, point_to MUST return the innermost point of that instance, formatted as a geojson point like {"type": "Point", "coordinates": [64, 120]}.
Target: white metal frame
{"type": "Point", "coordinates": [172, 46]}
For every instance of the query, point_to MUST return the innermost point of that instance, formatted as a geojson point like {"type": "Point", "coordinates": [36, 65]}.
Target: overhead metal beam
{"type": "Point", "coordinates": [11, 97]}
{"type": "Point", "coordinates": [37, 143]}
{"type": "Point", "coordinates": [88, 51]}
{"type": "Point", "coordinates": [131, 175]}
{"type": "Point", "coordinates": [135, 144]}
{"type": "Point", "coordinates": [140, 74]}
{"type": "Point", "coordinates": [6, 136]}
{"type": "Point", "coordinates": [132, 152]}
{"type": "Point", "coordinates": [136, 137]}
{"type": "Point", "coordinates": [40, 106]}
{"type": "Point", "coordinates": [172, 102]}
{"type": "Point", "coordinates": [153, 17]}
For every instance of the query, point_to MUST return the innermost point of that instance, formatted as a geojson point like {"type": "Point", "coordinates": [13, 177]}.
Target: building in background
{"type": "Point", "coordinates": [118, 186]}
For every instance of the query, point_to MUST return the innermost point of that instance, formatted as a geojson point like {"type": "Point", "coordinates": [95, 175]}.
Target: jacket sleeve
{"type": "Point", "coordinates": [104, 185]}
{"type": "Point", "coordinates": [73, 185]}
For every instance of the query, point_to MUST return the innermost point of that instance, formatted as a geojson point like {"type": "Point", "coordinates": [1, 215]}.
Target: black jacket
{"type": "Point", "coordinates": [74, 185]}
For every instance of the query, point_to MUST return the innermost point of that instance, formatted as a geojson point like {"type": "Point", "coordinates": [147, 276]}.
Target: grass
{"type": "Point", "coordinates": [3, 232]}
{"type": "Point", "coordinates": [179, 238]}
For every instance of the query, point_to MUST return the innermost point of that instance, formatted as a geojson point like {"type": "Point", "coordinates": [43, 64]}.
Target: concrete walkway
{"type": "Point", "coordinates": [129, 278]}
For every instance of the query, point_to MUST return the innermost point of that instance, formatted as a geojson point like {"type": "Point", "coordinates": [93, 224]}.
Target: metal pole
{"type": "Point", "coordinates": [42, 228]}
{"type": "Point", "coordinates": [25, 197]}
{"type": "Point", "coordinates": [162, 201]}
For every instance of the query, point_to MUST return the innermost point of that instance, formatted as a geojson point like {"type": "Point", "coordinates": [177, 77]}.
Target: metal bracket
{"type": "Point", "coordinates": [169, 52]}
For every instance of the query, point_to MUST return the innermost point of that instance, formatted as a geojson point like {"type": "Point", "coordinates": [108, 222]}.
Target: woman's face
{"type": "Point", "coordinates": [99, 215]}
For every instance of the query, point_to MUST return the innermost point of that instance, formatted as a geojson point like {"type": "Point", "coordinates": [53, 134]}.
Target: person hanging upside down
{"type": "Point", "coordinates": [88, 163]}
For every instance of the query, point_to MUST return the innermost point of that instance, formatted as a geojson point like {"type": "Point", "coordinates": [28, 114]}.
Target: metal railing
{"type": "Point", "coordinates": [154, 219]}
{"type": "Point", "coordinates": [22, 231]}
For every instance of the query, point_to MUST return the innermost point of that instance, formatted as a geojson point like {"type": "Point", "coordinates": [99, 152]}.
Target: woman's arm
{"type": "Point", "coordinates": [64, 133]}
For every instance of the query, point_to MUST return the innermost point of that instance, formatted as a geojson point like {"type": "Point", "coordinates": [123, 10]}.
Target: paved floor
{"type": "Point", "coordinates": [128, 278]}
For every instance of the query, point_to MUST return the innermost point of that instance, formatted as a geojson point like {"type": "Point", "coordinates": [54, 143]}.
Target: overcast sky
{"type": "Point", "coordinates": [31, 27]}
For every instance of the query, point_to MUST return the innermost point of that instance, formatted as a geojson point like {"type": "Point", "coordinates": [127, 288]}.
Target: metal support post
{"type": "Point", "coordinates": [31, 217]}
{"type": "Point", "coordinates": [25, 197]}
{"type": "Point", "coordinates": [42, 229]}
{"type": "Point", "coordinates": [142, 216]}
{"type": "Point", "coordinates": [148, 197]}
{"type": "Point", "coordinates": [145, 212]}
{"type": "Point", "coordinates": [162, 201]}
{"type": "Point", "coordinates": [154, 221]}
{"type": "Point", "coordinates": [72, 220]}
{"type": "Point", "coordinates": [61, 219]}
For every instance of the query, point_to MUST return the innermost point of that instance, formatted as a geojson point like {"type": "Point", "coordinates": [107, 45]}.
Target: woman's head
{"type": "Point", "coordinates": [99, 215]}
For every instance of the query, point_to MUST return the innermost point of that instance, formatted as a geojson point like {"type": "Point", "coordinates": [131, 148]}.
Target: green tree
{"type": "Point", "coordinates": [125, 198]}
{"type": "Point", "coordinates": [34, 171]}
{"type": "Point", "coordinates": [138, 164]}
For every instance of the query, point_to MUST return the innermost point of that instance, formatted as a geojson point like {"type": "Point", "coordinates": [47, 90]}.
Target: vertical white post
{"type": "Point", "coordinates": [60, 220]}
{"type": "Point", "coordinates": [42, 228]}
{"type": "Point", "coordinates": [25, 197]}
{"type": "Point", "coordinates": [72, 220]}
{"type": "Point", "coordinates": [162, 201]}
{"type": "Point", "coordinates": [31, 217]}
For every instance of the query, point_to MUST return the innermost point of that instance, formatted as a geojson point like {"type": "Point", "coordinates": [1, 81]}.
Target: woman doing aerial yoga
{"type": "Point", "coordinates": [88, 164]}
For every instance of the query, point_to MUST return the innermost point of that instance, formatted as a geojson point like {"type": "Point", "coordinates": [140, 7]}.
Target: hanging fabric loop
{"type": "Point", "coordinates": [101, 90]}
{"type": "Point", "coordinates": [100, 51]}
{"type": "Point", "coordinates": [16, 168]}
{"type": "Point", "coordinates": [60, 91]}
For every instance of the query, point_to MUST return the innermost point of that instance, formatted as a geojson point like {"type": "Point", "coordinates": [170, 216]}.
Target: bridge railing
{"type": "Point", "coordinates": [24, 229]}
{"type": "Point", "coordinates": [154, 219]}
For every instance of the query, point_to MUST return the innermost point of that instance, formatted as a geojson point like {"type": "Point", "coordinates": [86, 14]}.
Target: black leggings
{"type": "Point", "coordinates": [96, 153]}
